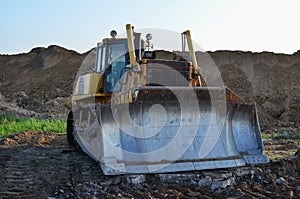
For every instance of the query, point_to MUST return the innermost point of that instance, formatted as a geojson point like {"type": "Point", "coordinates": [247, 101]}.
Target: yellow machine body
{"type": "Point", "coordinates": [138, 114]}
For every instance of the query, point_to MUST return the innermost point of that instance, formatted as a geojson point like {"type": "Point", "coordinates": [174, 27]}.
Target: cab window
{"type": "Point", "coordinates": [100, 62]}
{"type": "Point", "coordinates": [116, 66]}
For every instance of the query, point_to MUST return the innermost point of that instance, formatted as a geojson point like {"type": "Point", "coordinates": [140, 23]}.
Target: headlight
{"type": "Point", "coordinates": [113, 33]}
{"type": "Point", "coordinates": [149, 36]}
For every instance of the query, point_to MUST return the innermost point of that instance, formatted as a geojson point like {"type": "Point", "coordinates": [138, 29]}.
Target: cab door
{"type": "Point", "coordinates": [117, 61]}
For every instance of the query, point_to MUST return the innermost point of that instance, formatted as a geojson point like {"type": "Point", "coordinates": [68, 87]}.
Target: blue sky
{"type": "Point", "coordinates": [249, 25]}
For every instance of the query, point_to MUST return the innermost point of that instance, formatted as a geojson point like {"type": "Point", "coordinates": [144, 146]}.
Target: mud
{"type": "Point", "coordinates": [37, 164]}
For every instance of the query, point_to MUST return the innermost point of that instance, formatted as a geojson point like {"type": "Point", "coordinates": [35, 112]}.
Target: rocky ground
{"type": "Point", "coordinates": [41, 165]}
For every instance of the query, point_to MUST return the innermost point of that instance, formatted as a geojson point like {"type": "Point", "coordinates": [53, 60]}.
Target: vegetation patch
{"type": "Point", "coordinates": [10, 124]}
{"type": "Point", "coordinates": [291, 136]}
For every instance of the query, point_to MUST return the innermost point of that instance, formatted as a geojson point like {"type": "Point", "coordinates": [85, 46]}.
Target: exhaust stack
{"type": "Point", "coordinates": [129, 31]}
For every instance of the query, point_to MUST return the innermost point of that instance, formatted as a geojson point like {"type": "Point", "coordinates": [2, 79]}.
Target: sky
{"type": "Point", "coordinates": [247, 25]}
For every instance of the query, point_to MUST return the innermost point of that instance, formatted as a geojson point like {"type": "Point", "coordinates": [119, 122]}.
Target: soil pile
{"type": "Point", "coordinates": [39, 83]}
{"type": "Point", "coordinates": [271, 80]}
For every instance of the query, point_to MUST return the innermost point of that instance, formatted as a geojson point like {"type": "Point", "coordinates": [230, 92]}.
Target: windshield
{"type": "Point", "coordinates": [117, 52]}
{"type": "Point", "coordinates": [110, 54]}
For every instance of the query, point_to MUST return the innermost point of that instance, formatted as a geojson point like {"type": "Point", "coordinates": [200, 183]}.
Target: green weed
{"type": "Point", "coordinates": [281, 136]}
{"type": "Point", "coordinates": [10, 124]}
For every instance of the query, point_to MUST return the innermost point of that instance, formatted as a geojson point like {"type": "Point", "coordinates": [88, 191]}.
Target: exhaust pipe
{"type": "Point", "coordinates": [130, 40]}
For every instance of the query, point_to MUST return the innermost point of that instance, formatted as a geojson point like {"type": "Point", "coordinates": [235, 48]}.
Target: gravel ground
{"type": "Point", "coordinates": [36, 164]}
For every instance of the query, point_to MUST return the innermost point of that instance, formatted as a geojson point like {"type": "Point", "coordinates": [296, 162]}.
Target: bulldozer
{"type": "Point", "coordinates": [136, 112]}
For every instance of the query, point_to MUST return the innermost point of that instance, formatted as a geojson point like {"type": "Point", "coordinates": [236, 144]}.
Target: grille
{"type": "Point", "coordinates": [168, 73]}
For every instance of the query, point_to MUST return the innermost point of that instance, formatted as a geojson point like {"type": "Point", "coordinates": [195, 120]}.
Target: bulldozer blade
{"type": "Point", "coordinates": [174, 129]}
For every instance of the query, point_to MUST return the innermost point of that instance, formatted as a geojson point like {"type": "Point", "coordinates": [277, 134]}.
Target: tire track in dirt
{"type": "Point", "coordinates": [37, 170]}
{"type": "Point", "coordinates": [18, 178]}
{"type": "Point", "coordinates": [39, 165]}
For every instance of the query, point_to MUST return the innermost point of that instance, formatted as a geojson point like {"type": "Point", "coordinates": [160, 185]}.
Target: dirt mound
{"type": "Point", "coordinates": [272, 80]}
{"type": "Point", "coordinates": [35, 164]}
{"type": "Point", "coordinates": [21, 105]}
{"type": "Point", "coordinates": [38, 83]}
{"type": "Point", "coordinates": [43, 73]}
{"type": "Point", "coordinates": [46, 76]}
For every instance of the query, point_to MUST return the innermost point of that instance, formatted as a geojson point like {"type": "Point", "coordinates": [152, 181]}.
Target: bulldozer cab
{"type": "Point", "coordinates": [113, 60]}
